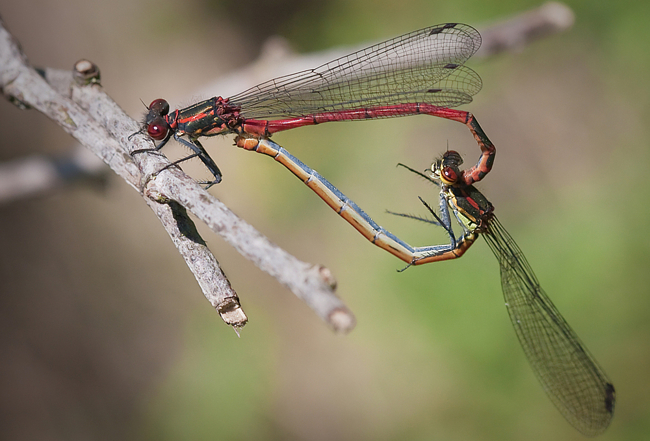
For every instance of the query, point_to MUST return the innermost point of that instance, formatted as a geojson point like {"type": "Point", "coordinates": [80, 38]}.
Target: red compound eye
{"type": "Point", "coordinates": [449, 174]}
{"type": "Point", "coordinates": [158, 128]}
{"type": "Point", "coordinates": [159, 106]}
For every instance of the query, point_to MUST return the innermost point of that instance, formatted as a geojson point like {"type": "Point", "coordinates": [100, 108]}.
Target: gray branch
{"type": "Point", "coordinates": [515, 33]}
{"type": "Point", "coordinates": [99, 124]}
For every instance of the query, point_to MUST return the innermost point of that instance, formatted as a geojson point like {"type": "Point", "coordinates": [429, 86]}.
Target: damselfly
{"type": "Point", "coordinates": [421, 72]}
{"type": "Point", "coordinates": [569, 374]}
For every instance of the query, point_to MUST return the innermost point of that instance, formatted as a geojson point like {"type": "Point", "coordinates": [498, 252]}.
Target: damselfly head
{"type": "Point", "coordinates": [447, 167]}
{"type": "Point", "coordinates": [157, 126]}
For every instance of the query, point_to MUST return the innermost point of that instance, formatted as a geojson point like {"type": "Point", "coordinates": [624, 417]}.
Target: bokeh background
{"type": "Point", "coordinates": [104, 333]}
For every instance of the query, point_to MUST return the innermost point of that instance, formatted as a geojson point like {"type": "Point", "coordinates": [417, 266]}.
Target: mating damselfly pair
{"type": "Point", "coordinates": [422, 72]}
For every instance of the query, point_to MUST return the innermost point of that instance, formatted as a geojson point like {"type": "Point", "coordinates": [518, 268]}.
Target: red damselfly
{"type": "Point", "coordinates": [421, 72]}
{"type": "Point", "coordinates": [569, 374]}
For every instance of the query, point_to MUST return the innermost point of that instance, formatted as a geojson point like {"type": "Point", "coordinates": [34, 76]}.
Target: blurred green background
{"type": "Point", "coordinates": [104, 333]}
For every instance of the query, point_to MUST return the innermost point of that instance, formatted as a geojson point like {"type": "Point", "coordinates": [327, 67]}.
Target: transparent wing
{"type": "Point", "coordinates": [422, 66]}
{"type": "Point", "coordinates": [569, 374]}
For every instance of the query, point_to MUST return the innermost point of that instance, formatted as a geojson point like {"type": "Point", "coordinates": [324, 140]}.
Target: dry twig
{"type": "Point", "coordinates": [98, 123]}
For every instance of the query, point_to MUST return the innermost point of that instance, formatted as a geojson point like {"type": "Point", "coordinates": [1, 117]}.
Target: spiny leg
{"type": "Point", "coordinates": [203, 155]}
